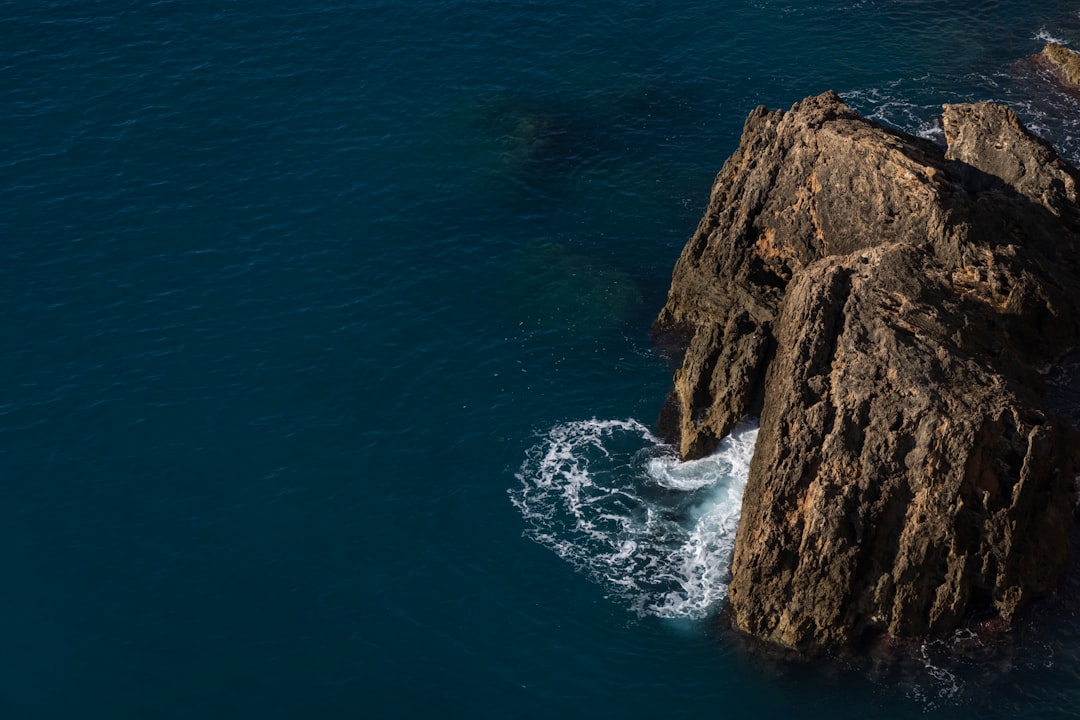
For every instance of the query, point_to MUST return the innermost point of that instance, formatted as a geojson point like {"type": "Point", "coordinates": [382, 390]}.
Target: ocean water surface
{"type": "Point", "coordinates": [327, 387]}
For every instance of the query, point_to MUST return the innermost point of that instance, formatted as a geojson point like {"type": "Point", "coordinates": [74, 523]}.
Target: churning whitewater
{"type": "Point", "coordinates": [614, 501]}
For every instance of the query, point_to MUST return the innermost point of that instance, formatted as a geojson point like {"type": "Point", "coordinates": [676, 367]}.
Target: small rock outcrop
{"type": "Point", "coordinates": [888, 309]}
{"type": "Point", "coordinates": [1063, 62]}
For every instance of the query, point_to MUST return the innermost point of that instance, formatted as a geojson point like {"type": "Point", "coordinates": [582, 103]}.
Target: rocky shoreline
{"type": "Point", "coordinates": [890, 310]}
{"type": "Point", "coordinates": [1063, 63]}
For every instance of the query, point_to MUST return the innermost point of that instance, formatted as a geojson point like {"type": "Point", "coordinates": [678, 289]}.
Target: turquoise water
{"type": "Point", "coordinates": [327, 386]}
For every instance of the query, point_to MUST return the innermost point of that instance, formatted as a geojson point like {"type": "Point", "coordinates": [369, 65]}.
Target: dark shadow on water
{"type": "Point", "coordinates": [541, 141]}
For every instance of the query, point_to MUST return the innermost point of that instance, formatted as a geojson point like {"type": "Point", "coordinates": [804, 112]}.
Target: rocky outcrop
{"type": "Point", "coordinates": [887, 308]}
{"type": "Point", "coordinates": [1063, 62]}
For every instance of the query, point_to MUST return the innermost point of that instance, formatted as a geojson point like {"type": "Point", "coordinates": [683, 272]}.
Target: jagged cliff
{"type": "Point", "coordinates": [887, 308]}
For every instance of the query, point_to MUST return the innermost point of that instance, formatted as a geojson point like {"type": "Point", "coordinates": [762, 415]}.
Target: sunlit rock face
{"type": "Point", "coordinates": [888, 308]}
{"type": "Point", "coordinates": [1063, 63]}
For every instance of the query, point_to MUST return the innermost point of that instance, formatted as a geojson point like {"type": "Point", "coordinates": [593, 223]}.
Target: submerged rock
{"type": "Point", "coordinates": [551, 282]}
{"type": "Point", "coordinates": [1063, 62]}
{"type": "Point", "coordinates": [886, 307]}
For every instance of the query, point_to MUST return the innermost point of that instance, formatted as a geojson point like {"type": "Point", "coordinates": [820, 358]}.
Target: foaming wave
{"type": "Point", "coordinates": [895, 104]}
{"type": "Point", "coordinates": [614, 501]}
{"type": "Point", "coordinates": [1044, 36]}
{"type": "Point", "coordinates": [939, 685]}
{"type": "Point", "coordinates": [914, 104]}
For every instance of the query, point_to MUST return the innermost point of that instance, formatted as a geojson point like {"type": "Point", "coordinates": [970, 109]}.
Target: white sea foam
{"type": "Point", "coordinates": [891, 105]}
{"type": "Point", "coordinates": [1052, 114]}
{"type": "Point", "coordinates": [939, 685]}
{"type": "Point", "coordinates": [611, 499]}
{"type": "Point", "coordinates": [1044, 36]}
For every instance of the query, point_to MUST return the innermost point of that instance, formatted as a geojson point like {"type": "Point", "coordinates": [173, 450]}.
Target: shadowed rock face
{"type": "Point", "coordinates": [886, 308]}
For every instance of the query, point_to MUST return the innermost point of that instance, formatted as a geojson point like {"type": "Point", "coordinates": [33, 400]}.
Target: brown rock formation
{"type": "Point", "coordinates": [886, 308]}
{"type": "Point", "coordinates": [1063, 62]}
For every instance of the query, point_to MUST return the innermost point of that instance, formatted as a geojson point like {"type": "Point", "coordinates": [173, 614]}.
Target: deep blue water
{"type": "Point", "coordinates": [326, 384]}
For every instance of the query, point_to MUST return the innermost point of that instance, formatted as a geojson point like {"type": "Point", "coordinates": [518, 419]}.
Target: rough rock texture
{"type": "Point", "coordinates": [887, 308]}
{"type": "Point", "coordinates": [1063, 62]}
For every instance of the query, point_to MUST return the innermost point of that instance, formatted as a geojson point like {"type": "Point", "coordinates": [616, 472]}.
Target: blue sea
{"type": "Point", "coordinates": [326, 384]}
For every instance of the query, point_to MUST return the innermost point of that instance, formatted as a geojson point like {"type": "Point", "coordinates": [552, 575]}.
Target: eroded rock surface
{"type": "Point", "coordinates": [887, 308]}
{"type": "Point", "coordinates": [1063, 62]}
